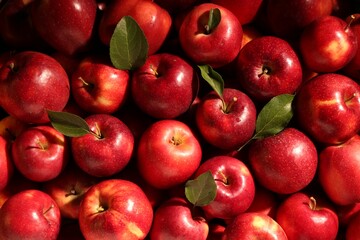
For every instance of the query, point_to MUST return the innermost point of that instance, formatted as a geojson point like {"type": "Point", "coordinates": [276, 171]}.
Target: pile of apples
{"type": "Point", "coordinates": [179, 119]}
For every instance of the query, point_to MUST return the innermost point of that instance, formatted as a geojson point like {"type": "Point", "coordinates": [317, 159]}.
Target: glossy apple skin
{"type": "Point", "coordinates": [268, 66]}
{"type": "Point", "coordinates": [115, 209]}
{"type": "Point", "coordinates": [98, 87]}
{"type": "Point", "coordinates": [217, 48]}
{"type": "Point", "coordinates": [327, 107]}
{"type": "Point", "coordinates": [300, 218]}
{"type": "Point", "coordinates": [248, 226]}
{"type": "Point", "coordinates": [30, 214]}
{"type": "Point", "coordinates": [107, 155]}
{"type": "Point", "coordinates": [352, 69]}
{"type": "Point", "coordinates": [244, 10]}
{"type": "Point", "coordinates": [352, 229]}
{"type": "Point", "coordinates": [154, 20]}
{"type": "Point", "coordinates": [11, 127]}
{"type": "Point", "coordinates": [165, 86]}
{"type": "Point", "coordinates": [176, 219]}
{"type": "Point", "coordinates": [65, 25]}
{"type": "Point", "coordinates": [346, 212]}
{"type": "Point", "coordinates": [327, 44]}
{"type": "Point", "coordinates": [226, 127]}
{"type": "Point", "coordinates": [338, 173]}
{"type": "Point", "coordinates": [168, 153]}
{"type": "Point", "coordinates": [287, 19]}
{"type": "Point", "coordinates": [6, 164]}
{"type": "Point", "coordinates": [235, 187]}
{"type": "Point", "coordinates": [265, 201]}
{"type": "Point", "coordinates": [40, 153]}
{"type": "Point", "coordinates": [284, 163]}
{"type": "Point", "coordinates": [28, 82]}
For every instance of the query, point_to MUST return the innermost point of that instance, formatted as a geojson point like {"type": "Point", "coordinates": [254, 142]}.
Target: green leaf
{"type": "Point", "coordinates": [69, 124]}
{"type": "Point", "coordinates": [214, 19]}
{"type": "Point", "coordinates": [274, 116]}
{"type": "Point", "coordinates": [213, 78]}
{"type": "Point", "coordinates": [202, 190]}
{"type": "Point", "coordinates": [128, 45]}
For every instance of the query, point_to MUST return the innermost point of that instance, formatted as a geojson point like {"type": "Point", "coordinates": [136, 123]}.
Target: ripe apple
{"type": "Point", "coordinates": [346, 212]}
{"type": "Point", "coordinates": [327, 107]}
{"type": "Point", "coordinates": [65, 25]}
{"type": "Point", "coordinates": [216, 47]}
{"type": "Point", "coordinates": [40, 153]}
{"type": "Point", "coordinates": [30, 214]}
{"type": "Point", "coordinates": [338, 173]}
{"type": "Point", "coordinates": [268, 66]}
{"type": "Point", "coordinates": [115, 209]}
{"type": "Point", "coordinates": [235, 187]}
{"type": "Point", "coordinates": [98, 87]}
{"type": "Point", "coordinates": [11, 127]}
{"type": "Point", "coordinates": [228, 123]}
{"type": "Point", "coordinates": [6, 164]}
{"type": "Point", "coordinates": [107, 149]}
{"type": "Point", "coordinates": [154, 20]}
{"type": "Point", "coordinates": [30, 83]}
{"type": "Point", "coordinates": [247, 226]}
{"type": "Point", "coordinates": [352, 69]}
{"type": "Point", "coordinates": [168, 153]}
{"type": "Point", "coordinates": [327, 44]}
{"type": "Point", "coordinates": [265, 201]}
{"type": "Point", "coordinates": [284, 163]}
{"type": "Point", "coordinates": [302, 217]}
{"type": "Point", "coordinates": [165, 86]}
{"type": "Point", "coordinates": [352, 229]}
{"type": "Point", "coordinates": [177, 219]}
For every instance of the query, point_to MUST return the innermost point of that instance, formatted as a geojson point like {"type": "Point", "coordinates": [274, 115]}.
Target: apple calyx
{"type": "Point", "coordinates": [214, 20]}
{"type": "Point", "coordinates": [71, 192]}
{"type": "Point", "coordinates": [264, 71]}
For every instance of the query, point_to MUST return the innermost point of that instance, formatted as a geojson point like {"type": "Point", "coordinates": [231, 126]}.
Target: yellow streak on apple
{"type": "Point", "coordinates": [337, 48]}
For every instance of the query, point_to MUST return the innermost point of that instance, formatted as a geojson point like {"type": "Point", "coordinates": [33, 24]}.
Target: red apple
{"type": "Point", "coordinates": [248, 226]}
{"type": "Point", "coordinates": [284, 163]}
{"type": "Point", "coordinates": [168, 154]}
{"type": "Point", "coordinates": [338, 173]}
{"type": "Point", "coordinates": [6, 164]}
{"type": "Point", "coordinates": [165, 86]}
{"type": "Point", "coordinates": [115, 209]}
{"type": "Point", "coordinates": [98, 87]}
{"type": "Point", "coordinates": [30, 214]}
{"type": "Point", "coordinates": [265, 201]}
{"type": "Point", "coordinates": [65, 25]}
{"type": "Point", "coordinates": [352, 69]}
{"type": "Point", "coordinates": [105, 151]}
{"type": "Point", "coordinates": [30, 83]}
{"type": "Point", "coordinates": [327, 44]}
{"type": "Point", "coordinates": [40, 153]}
{"type": "Point", "coordinates": [327, 107]}
{"type": "Point", "coordinates": [228, 123]}
{"type": "Point", "coordinates": [268, 66]}
{"type": "Point", "coordinates": [11, 127]}
{"type": "Point", "coordinates": [216, 47]}
{"type": "Point", "coordinates": [352, 229]}
{"type": "Point", "coordinates": [301, 217]}
{"type": "Point", "coordinates": [235, 187]}
{"type": "Point", "coordinates": [346, 212]}
{"type": "Point", "coordinates": [177, 219]}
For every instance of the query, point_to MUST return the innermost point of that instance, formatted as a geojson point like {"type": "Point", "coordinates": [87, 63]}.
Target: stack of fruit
{"type": "Point", "coordinates": [187, 119]}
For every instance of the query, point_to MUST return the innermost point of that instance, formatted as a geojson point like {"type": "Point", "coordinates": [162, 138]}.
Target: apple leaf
{"type": "Point", "coordinates": [214, 19]}
{"type": "Point", "coordinates": [69, 124]}
{"type": "Point", "coordinates": [128, 45]}
{"type": "Point", "coordinates": [201, 190]}
{"type": "Point", "coordinates": [213, 78]}
{"type": "Point", "coordinates": [274, 116]}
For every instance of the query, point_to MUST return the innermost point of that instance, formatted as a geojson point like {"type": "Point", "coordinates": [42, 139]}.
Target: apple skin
{"type": "Point", "coordinates": [154, 20]}
{"type": "Point", "coordinates": [115, 209]}
{"type": "Point", "coordinates": [106, 152]}
{"type": "Point", "coordinates": [30, 214]}
{"type": "Point", "coordinates": [28, 81]}
{"type": "Point", "coordinates": [338, 173]}
{"type": "Point", "coordinates": [168, 153]}
{"type": "Point", "coordinates": [177, 219]}
{"type": "Point", "coordinates": [6, 164]}
{"type": "Point", "coordinates": [352, 229]}
{"type": "Point", "coordinates": [327, 44]}
{"type": "Point", "coordinates": [40, 153]}
{"type": "Point", "coordinates": [165, 86]}
{"type": "Point", "coordinates": [327, 107]}
{"type": "Point", "coordinates": [235, 187]}
{"type": "Point", "coordinates": [352, 69]}
{"type": "Point", "coordinates": [217, 48]}
{"type": "Point", "coordinates": [11, 127]}
{"type": "Point", "coordinates": [248, 226]}
{"type": "Point", "coordinates": [98, 87]}
{"type": "Point", "coordinates": [284, 163]}
{"type": "Point", "coordinates": [265, 201]}
{"type": "Point", "coordinates": [65, 25]}
{"type": "Point", "coordinates": [301, 217]}
{"type": "Point", "coordinates": [226, 126]}
{"type": "Point", "coordinates": [268, 66]}
{"type": "Point", "coordinates": [346, 212]}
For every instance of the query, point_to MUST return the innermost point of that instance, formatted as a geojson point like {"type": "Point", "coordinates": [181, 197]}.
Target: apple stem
{"type": "Point", "coordinates": [83, 81]}
{"type": "Point", "coordinates": [227, 107]}
{"type": "Point", "coordinates": [312, 204]}
{"type": "Point", "coordinates": [12, 67]}
{"type": "Point", "coordinates": [223, 180]}
{"type": "Point", "coordinates": [351, 97]}
{"type": "Point", "coordinates": [352, 18]}
{"type": "Point", "coordinates": [97, 132]}
{"type": "Point", "coordinates": [154, 70]}
{"type": "Point", "coordinates": [47, 210]}
{"type": "Point", "coordinates": [72, 192]}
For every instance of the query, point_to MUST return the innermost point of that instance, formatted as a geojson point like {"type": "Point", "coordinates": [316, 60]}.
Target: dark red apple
{"type": "Point", "coordinates": [352, 229]}
{"type": "Point", "coordinates": [6, 164]}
